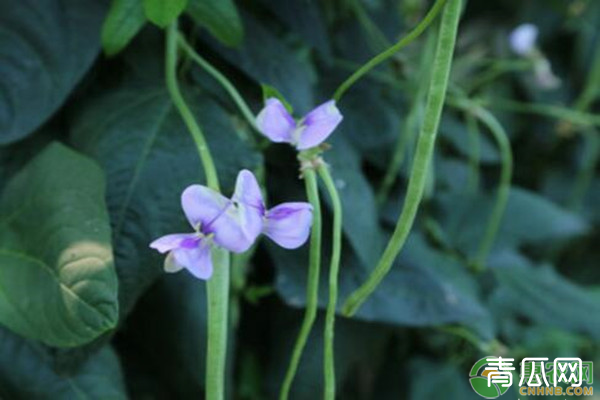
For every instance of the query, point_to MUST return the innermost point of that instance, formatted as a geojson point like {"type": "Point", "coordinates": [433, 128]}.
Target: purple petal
{"type": "Point", "coordinates": [197, 260]}
{"type": "Point", "coordinates": [170, 242]}
{"type": "Point", "coordinates": [275, 122]}
{"type": "Point", "coordinates": [288, 224]}
{"type": "Point", "coordinates": [202, 205]}
{"type": "Point", "coordinates": [237, 228]}
{"type": "Point", "coordinates": [318, 125]}
{"type": "Point", "coordinates": [247, 190]}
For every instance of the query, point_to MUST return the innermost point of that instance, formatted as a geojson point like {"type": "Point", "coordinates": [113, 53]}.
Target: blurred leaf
{"type": "Point", "coordinates": [221, 18]}
{"type": "Point", "coordinates": [155, 161]}
{"type": "Point", "coordinates": [541, 294]}
{"type": "Point", "coordinates": [46, 47]}
{"type": "Point", "coordinates": [438, 380]}
{"type": "Point", "coordinates": [529, 218]}
{"type": "Point", "coordinates": [305, 18]}
{"type": "Point", "coordinates": [57, 279]}
{"type": "Point", "coordinates": [26, 375]}
{"type": "Point", "coordinates": [456, 133]}
{"type": "Point", "coordinates": [176, 307]}
{"type": "Point", "coordinates": [124, 20]}
{"type": "Point", "coordinates": [267, 59]}
{"type": "Point", "coordinates": [163, 12]}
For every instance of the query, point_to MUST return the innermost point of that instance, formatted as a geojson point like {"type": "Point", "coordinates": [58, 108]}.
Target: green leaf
{"type": "Point", "coordinates": [441, 381]}
{"type": "Point", "coordinates": [544, 296]}
{"type": "Point", "coordinates": [124, 20]}
{"type": "Point", "coordinates": [57, 279]}
{"type": "Point", "coordinates": [221, 18]}
{"type": "Point", "coordinates": [529, 218]}
{"type": "Point", "coordinates": [163, 12]}
{"type": "Point", "coordinates": [47, 46]}
{"type": "Point", "coordinates": [149, 158]}
{"type": "Point", "coordinates": [25, 374]}
{"type": "Point", "coordinates": [267, 59]}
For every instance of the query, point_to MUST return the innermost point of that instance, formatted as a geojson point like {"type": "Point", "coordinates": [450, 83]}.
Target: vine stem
{"type": "Point", "coordinates": [384, 55]}
{"type": "Point", "coordinates": [410, 126]}
{"type": "Point", "coordinates": [218, 284]}
{"type": "Point", "coordinates": [312, 287]}
{"type": "Point", "coordinates": [336, 252]}
{"type": "Point", "coordinates": [223, 81]}
{"type": "Point", "coordinates": [503, 143]}
{"type": "Point", "coordinates": [424, 152]}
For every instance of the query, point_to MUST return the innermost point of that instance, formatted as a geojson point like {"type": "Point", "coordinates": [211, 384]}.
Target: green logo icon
{"type": "Point", "coordinates": [479, 381]}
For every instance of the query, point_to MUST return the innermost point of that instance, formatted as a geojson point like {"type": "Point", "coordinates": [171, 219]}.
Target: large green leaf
{"type": "Point", "coordinates": [221, 18]}
{"type": "Point", "coordinates": [46, 46]}
{"type": "Point", "coordinates": [57, 279]}
{"type": "Point", "coordinates": [25, 374]}
{"type": "Point", "coordinates": [124, 20]}
{"type": "Point", "coordinates": [138, 137]}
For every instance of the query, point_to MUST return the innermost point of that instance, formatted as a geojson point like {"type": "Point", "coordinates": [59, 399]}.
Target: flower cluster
{"type": "Point", "coordinates": [233, 224]}
{"type": "Point", "coordinates": [276, 123]}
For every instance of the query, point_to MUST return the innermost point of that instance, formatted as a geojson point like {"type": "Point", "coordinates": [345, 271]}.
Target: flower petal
{"type": "Point", "coordinates": [202, 205]}
{"type": "Point", "coordinates": [288, 224]}
{"type": "Point", "coordinates": [247, 190]}
{"type": "Point", "coordinates": [522, 39]}
{"type": "Point", "coordinates": [237, 228]}
{"type": "Point", "coordinates": [275, 122]}
{"type": "Point", "coordinates": [318, 125]}
{"type": "Point", "coordinates": [173, 241]}
{"type": "Point", "coordinates": [197, 260]}
{"type": "Point", "coordinates": [171, 264]}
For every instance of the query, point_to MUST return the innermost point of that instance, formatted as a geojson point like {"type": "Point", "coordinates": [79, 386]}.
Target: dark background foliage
{"type": "Point", "coordinates": [90, 143]}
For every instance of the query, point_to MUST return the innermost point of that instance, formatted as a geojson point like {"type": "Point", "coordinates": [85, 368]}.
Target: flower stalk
{"type": "Point", "coordinates": [424, 152]}
{"type": "Point", "coordinates": [312, 287]}
{"type": "Point", "coordinates": [218, 285]}
{"type": "Point", "coordinates": [336, 252]}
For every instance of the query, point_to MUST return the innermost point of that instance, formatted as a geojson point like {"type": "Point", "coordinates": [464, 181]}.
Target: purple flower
{"type": "Point", "coordinates": [233, 224]}
{"type": "Point", "coordinates": [279, 126]}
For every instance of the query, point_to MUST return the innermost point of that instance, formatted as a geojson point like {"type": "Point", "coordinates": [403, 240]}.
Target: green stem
{"type": "Point", "coordinates": [474, 153]}
{"type": "Point", "coordinates": [223, 81]}
{"type": "Point", "coordinates": [217, 292]}
{"type": "Point", "coordinates": [585, 175]}
{"type": "Point", "coordinates": [409, 127]}
{"type": "Point", "coordinates": [549, 110]}
{"type": "Point", "coordinates": [493, 225]}
{"type": "Point", "coordinates": [503, 143]}
{"type": "Point", "coordinates": [218, 285]}
{"type": "Point", "coordinates": [312, 287]}
{"type": "Point", "coordinates": [336, 251]}
{"type": "Point", "coordinates": [424, 152]}
{"type": "Point", "coordinates": [381, 57]}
